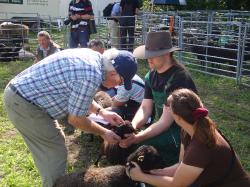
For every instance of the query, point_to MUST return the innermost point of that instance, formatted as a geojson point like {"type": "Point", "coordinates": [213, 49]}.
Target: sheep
{"type": "Point", "coordinates": [8, 54]}
{"type": "Point", "coordinates": [12, 38]}
{"type": "Point", "coordinates": [147, 158]}
{"type": "Point", "coordinates": [222, 60]}
{"type": "Point", "coordinates": [25, 55]}
{"type": "Point", "coordinates": [112, 176]}
{"type": "Point", "coordinates": [103, 99]}
{"type": "Point", "coordinates": [16, 32]}
{"type": "Point", "coordinates": [113, 152]}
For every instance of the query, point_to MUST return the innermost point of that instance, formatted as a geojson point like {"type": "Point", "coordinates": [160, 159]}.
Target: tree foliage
{"type": "Point", "coordinates": [203, 5]}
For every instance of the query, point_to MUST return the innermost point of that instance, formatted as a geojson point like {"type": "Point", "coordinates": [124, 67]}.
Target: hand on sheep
{"type": "Point", "coordinates": [135, 173]}
{"type": "Point", "coordinates": [111, 137]}
{"type": "Point", "coordinates": [131, 138]}
{"type": "Point", "coordinates": [111, 117]}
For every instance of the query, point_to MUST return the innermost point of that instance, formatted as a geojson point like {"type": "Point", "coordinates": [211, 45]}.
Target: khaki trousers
{"type": "Point", "coordinates": [114, 31]}
{"type": "Point", "coordinates": [41, 133]}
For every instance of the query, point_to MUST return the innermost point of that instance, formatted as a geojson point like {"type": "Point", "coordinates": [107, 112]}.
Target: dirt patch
{"type": "Point", "coordinates": [9, 134]}
{"type": "Point", "coordinates": [73, 148]}
{"type": "Point", "coordinates": [83, 148]}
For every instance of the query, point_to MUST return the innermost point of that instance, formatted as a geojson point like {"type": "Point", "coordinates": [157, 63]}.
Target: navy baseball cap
{"type": "Point", "coordinates": [126, 66]}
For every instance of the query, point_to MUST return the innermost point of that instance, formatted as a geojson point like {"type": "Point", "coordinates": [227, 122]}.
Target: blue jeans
{"type": "Point", "coordinates": [79, 36]}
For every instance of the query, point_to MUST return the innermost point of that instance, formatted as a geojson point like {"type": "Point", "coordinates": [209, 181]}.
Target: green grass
{"type": "Point", "coordinates": [16, 166]}
{"type": "Point", "coordinates": [228, 104]}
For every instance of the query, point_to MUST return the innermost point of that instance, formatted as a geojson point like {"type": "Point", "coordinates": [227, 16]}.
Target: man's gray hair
{"type": "Point", "coordinates": [95, 43]}
{"type": "Point", "coordinates": [108, 56]}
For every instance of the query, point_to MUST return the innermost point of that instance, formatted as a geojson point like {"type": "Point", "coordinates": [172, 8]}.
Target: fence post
{"type": "Point", "coordinates": [241, 52]}
{"type": "Point", "coordinates": [50, 23]}
{"type": "Point", "coordinates": [38, 23]}
{"type": "Point", "coordinates": [180, 42]}
{"type": "Point", "coordinates": [144, 27]}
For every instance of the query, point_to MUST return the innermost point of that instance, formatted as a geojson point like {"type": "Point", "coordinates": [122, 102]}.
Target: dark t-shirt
{"type": "Point", "coordinates": [129, 7]}
{"type": "Point", "coordinates": [174, 78]}
{"type": "Point", "coordinates": [215, 161]}
{"type": "Point", "coordinates": [158, 87]}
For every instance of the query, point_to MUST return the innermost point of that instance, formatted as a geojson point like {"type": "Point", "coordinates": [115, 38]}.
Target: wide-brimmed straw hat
{"type": "Point", "coordinates": [157, 44]}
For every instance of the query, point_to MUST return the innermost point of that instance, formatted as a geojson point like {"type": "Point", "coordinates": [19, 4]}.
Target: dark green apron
{"type": "Point", "coordinates": [168, 142]}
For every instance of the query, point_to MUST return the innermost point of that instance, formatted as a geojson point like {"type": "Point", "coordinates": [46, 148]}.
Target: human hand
{"type": "Point", "coordinates": [134, 172]}
{"type": "Point", "coordinates": [111, 137]}
{"type": "Point", "coordinates": [129, 140]}
{"type": "Point", "coordinates": [111, 117]}
{"type": "Point", "coordinates": [74, 17]}
{"type": "Point", "coordinates": [85, 16]}
{"type": "Point", "coordinates": [78, 16]}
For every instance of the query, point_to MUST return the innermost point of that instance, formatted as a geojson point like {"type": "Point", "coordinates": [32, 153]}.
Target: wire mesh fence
{"type": "Point", "coordinates": [216, 43]}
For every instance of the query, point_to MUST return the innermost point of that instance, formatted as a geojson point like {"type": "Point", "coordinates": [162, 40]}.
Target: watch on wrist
{"type": "Point", "coordinates": [98, 111]}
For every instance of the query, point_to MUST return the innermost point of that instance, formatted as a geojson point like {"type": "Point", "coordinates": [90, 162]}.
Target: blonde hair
{"type": "Point", "coordinates": [108, 56]}
{"type": "Point", "coordinates": [45, 34]}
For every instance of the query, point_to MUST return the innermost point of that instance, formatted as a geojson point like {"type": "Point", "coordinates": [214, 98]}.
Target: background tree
{"type": "Point", "coordinates": [202, 5]}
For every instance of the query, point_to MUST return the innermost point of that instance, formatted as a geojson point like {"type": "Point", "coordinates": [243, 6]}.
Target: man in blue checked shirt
{"type": "Point", "coordinates": [64, 84]}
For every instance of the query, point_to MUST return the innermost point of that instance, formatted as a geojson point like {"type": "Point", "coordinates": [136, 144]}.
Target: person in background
{"type": "Point", "coordinates": [128, 8]}
{"type": "Point", "coordinates": [96, 45]}
{"type": "Point", "coordinates": [165, 75]}
{"type": "Point", "coordinates": [46, 46]}
{"type": "Point", "coordinates": [80, 13]}
{"type": "Point", "coordinates": [206, 156]}
{"type": "Point", "coordinates": [126, 102]}
{"type": "Point", "coordinates": [60, 85]}
{"type": "Point", "coordinates": [114, 26]}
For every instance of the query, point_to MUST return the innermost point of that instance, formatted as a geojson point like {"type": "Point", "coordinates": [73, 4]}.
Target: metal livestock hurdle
{"type": "Point", "coordinates": [244, 74]}
{"type": "Point", "coordinates": [211, 47]}
{"type": "Point", "coordinates": [213, 42]}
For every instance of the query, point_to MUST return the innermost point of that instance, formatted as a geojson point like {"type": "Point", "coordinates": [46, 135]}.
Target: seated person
{"type": "Point", "coordinates": [126, 102]}
{"type": "Point", "coordinates": [46, 46]}
{"type": "Point", "coordinates": [206, 156]}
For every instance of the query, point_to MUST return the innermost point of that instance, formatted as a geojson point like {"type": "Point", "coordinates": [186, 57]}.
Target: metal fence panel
{"type": "Point", "coordinates": [212, 47]}
{"type": "Point", "coordinates": [213, 42]}
{"type": "Point", "coordinates": [245, 54]}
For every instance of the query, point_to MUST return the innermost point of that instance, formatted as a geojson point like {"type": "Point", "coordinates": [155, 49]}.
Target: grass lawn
{"type": "Point", "coordinates": [228, 104]}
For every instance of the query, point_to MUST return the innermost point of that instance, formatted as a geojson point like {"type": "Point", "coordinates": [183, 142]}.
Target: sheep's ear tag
{"type": "Point", "coordinates": [140, 158]}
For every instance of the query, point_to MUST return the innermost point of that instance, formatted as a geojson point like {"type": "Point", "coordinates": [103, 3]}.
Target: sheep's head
{"type": "Point", "coordinates": [123, 129]}
{"type": "Point", "coordinates": [147, 157]}
{"type": "Point", "coordinates": [103, 99]}
{"type": "Point", "coordinates": [114, 153]}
